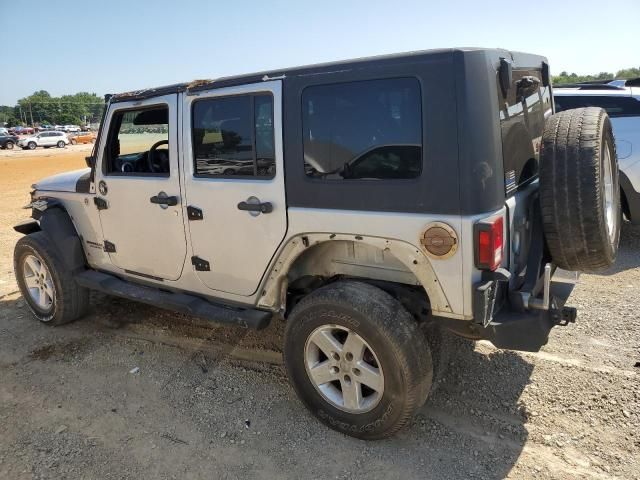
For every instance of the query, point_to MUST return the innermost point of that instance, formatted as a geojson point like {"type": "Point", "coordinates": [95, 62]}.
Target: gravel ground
{"type": "Point", "coordinates": [214, 402]}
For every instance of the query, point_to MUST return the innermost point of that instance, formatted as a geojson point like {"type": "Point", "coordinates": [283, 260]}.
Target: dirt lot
{"type": "Point", "coordinates": [213, 402]}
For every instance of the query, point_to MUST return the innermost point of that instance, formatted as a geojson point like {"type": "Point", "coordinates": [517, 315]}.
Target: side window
{"type": "Point", "coordinates": [138, 143]}
{"type": "Point", "coordinates": [616, 106]}
{"type": "Point", "coordinates": [233, 136]}
{"type": "Point", "coordinates": [363, 130]}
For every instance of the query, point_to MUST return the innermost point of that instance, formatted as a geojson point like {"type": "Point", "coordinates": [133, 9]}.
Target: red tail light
{"type": "Point", "coordinates": [489, 243]}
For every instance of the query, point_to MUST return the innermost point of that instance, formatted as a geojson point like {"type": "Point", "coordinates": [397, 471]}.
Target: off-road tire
{"type": "Point", "coordinates": [70, 302]}
{"type": "Point", "coordinates": [572, 189]}
{"type": "Point", "coordinates": [394, 336]}
{"type": "Point", "coordinates": [60, 144]}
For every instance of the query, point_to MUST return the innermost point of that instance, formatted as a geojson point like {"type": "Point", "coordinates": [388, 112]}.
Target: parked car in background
{"type": "Point", "coordinates": [8, 141]}
{"type": "Point", "coordinates": [44, 139]}
{"type": "Point", "coordinates": [621, 100]}
{"type": "Point", "coordinates": [22, 131]}
{"type": "Point", "coordinates": [4, 131]}
{"type": "Point", "coordinates": [82, 137]}
{"type": "Point", "coordinates": [71, 128]}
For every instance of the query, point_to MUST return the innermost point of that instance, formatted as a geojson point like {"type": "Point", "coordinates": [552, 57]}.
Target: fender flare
{"type": "Point", "coordinates": [274, 289]}
{"type": "Point", "coordinates": [56, 223]}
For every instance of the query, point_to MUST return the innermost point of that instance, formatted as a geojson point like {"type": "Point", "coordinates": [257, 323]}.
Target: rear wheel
{"type": "Point", "coordinates": [580, 190]}
{"type": "Point", "coordinates": [46, 285]}
{"type": "Point", "coordinates": [357, 359]}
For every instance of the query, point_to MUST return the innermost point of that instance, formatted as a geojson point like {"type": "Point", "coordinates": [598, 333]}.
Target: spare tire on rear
{"type": "Point", "coordinates": [579, 190]}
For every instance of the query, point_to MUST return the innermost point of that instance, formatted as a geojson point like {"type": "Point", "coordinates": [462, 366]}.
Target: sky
{"type": "Point", "coordinates": [102, 46]}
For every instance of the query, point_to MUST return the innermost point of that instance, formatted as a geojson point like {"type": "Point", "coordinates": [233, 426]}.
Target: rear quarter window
{"type": "Point", "coordinates": [365, 130]}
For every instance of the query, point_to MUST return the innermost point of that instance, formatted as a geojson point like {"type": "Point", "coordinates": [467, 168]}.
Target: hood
{"type": "Point", "coordinates": [63, 182]}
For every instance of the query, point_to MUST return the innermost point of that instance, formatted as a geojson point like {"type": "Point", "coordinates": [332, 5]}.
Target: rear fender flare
{"type": "Point", "coordinates": [273, 292]}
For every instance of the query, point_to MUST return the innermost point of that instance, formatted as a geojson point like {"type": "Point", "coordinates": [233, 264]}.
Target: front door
{"type": "Point", "coordinates": [138, 177]}
{"type": "Point", "coordinates": [234, 176]}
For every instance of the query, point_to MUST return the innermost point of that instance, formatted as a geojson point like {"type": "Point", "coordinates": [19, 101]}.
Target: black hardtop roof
{"type": "Point", "coordinates": [200, 85]}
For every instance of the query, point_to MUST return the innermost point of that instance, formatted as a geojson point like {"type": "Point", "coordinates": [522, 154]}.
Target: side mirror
{"type": "Point", "coordinates": [91, 161]}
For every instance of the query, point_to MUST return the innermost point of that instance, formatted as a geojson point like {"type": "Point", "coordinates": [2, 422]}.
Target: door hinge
{"type": "Point", "coordinates": [109, 247]}
{"type": "Point", "coordinates": [194, 213]}
{"type": "Point", "coordinates": [200, 264]}
{"type": "Point", "coordinates": [101, 203]}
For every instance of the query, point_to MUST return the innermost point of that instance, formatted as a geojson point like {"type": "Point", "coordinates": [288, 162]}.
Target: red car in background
{"type": "Point", "coordinates": [21, 131]}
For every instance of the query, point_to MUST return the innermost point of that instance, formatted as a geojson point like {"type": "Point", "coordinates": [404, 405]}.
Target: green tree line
{"type": "Point", "coordinates": [625, 73]}
{"type": "Point", "coordinates": [43, 109]}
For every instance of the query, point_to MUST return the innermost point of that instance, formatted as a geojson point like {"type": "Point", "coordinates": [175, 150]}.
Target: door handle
{"type": "Point", "coordinates": [264, 207]}
{"type": "Point", "coordinates": [164, 200]}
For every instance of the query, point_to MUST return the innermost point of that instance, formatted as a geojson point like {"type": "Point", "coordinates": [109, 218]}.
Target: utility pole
{"type": "Point", "coordinates": [31, 113]}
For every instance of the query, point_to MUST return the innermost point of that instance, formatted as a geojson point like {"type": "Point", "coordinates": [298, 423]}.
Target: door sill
{"type": "Point", "coordinates": [178, 302]}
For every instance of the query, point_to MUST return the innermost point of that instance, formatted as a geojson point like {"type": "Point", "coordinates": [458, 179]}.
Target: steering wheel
{"type": "Point", "coordinates": [153, 167]}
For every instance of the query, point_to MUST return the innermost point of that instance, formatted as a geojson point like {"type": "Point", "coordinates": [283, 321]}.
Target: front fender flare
{"type": "Point", "coordinates": [56, 223]}
{"type": "Point", "coordinates": [27, 226]}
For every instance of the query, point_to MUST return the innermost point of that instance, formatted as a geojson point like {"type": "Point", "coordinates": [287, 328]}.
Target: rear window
{"type": "Point", "coordinates": [368, 130]}
{"type": "Point", "coordinates": [616, 106]}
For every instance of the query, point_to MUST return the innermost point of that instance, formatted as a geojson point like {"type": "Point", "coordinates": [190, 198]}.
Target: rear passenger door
{"type": "Point", "coordinates": [234, 183]}
{"type": "Point", "coordinates": [45, 139]}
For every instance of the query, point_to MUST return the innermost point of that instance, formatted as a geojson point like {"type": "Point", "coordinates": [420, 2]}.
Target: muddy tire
{"type": "Point", "coordinates": [46, 285]}
{"type": "Point", "coordinates": [357, 359]}
{"type": "Point", "coordinates": [579, 190]}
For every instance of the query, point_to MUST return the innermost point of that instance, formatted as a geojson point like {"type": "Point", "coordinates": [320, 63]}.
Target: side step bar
{"type": "Point", "coordinates": [179, 302]}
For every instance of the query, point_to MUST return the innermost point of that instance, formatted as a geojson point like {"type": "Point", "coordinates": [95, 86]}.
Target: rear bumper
{"type": "Point", "coordinates": [517, 326]}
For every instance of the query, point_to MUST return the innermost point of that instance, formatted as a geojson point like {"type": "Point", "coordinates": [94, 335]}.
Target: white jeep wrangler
{"type": "Point", "coordinates": [370, 203]}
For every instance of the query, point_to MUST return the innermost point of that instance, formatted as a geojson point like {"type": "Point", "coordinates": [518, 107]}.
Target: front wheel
{"type": "Point", "coordinates": [31, 145]}
{"type": "Point", "coordinates": [60, 144]}
{"type": "Point", "coordinates": [46, 285]}
{"type": "Point", "coordinates": [9, 146]}
{"type": "Point", "coordinates": [357, 359]}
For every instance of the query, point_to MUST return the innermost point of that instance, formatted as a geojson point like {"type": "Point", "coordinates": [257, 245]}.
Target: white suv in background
{"type": "Point", "coordinates": [621, 100]}
{"type": "Point", "coordinates": [44, 139]}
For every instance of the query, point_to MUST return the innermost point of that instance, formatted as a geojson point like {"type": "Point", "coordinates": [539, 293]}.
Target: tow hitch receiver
{"type": "Point", "coordinates": [564, 316]}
